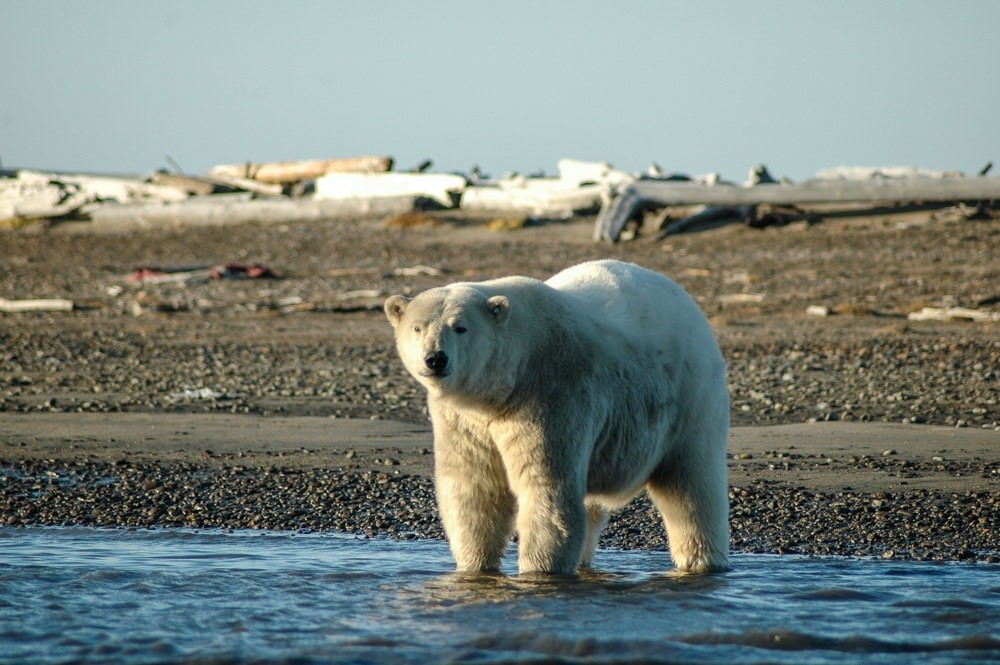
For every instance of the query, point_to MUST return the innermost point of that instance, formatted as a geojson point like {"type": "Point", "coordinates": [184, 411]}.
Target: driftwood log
{"type": "Point", "coordinates": [443, 188]}
{"type": "Point", "coordinates": [35, 305]}
{"type": "Point", "coordinates": [283, 173]}
{"type": "Point", "coordinates": [953, 314]}
{"type": "Point", "coordinates": [646, 194]}
{"type": "Point", "coordinates": [247, 184]}
{"type": "Point", "coordinates": [224, 209]}
{"type": "Point", "coordinates": [190, 184]}
{"type": "Point", "coordinates": [543, 198]}
{"type": "Point", "coordinates": [37, 195]}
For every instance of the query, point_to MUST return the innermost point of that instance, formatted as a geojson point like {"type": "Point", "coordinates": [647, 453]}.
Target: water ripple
{"type": "Point", "coordinates": [784, 640]}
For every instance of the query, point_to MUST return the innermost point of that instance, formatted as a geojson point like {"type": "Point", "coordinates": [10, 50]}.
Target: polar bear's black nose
{"type": "Point", "coordinates": [437, 361]}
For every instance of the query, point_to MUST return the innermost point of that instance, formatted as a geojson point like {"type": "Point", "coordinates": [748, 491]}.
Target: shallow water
{"type": "Point", "coordinates": [170, 596]}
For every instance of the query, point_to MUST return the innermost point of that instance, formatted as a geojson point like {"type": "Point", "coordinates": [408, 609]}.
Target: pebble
{"type": "Point", "coordinates": [768, 384]}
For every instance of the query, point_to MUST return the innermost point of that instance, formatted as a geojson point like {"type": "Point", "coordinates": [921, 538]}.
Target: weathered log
{"type": "Point", "coordinates": [440, 187]}
{"type": "Point", "coordinates": [546, 198]}
{"type": "Point", "coordinates": [36, 195]}
{"type": "Point", "coordinates": [109, 188]}
{"type": "Point", "coordinates": [35, 305]}
{"type": "Point", "coordinates": [630, 199]}
{"type": "Point", "coordinates": [581, 187]}
{"type": "Point", "coordinates": [35, 198]}
{"type": "Point", "coordinates": [707, 214]}
{"type": "Point", "coordinates": [283, 173]}
{"type": "Point", "coordinates": [224, 209]}
{"type": "Point", "coordinates": [870, 172]}
{"type": "Point", "coordinates": [953, 314]}
{"type": "Point", "coordinates": [192, 185]}
{"type": "Point", "coordinates": [580, 172]}
{"type": "Point", "coordinates": [247, 185]}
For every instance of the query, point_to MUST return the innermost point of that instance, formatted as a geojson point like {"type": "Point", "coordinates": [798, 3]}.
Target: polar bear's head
{"type": "Point", "coordinates": [447, 337]}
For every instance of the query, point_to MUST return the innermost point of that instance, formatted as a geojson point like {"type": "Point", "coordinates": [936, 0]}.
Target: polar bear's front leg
{"type": "Point", "coordinates": [474, 500]}
{"type": "Point", "coordinates": [551, 528]}
{"type": "Point", "coordinates": [549, 479]}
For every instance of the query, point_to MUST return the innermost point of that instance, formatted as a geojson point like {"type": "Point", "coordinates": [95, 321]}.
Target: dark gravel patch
{"type": "Point", "coordinates": [766, 516]}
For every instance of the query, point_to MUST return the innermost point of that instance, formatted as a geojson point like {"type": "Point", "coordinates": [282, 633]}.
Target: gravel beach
{"type": "Point", "coordinates": [279, 402]}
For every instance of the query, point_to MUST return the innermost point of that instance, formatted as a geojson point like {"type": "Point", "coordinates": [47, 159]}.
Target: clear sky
{"type": "Point", "coordinates": [697, 86]}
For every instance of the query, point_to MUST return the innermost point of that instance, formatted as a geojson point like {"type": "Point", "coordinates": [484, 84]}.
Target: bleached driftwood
{"type": "Point", "coordinates": [38, 195]}
{"type": "Point", "coordinates": [247, 184]}
{"type": "Point", "coordinates": [652, 193]}
{"type": "Point", "coordinates": [953, 314]}
{"type": "Point", "coordinates": [223, 209]}
{"type": "Point", "coordinates": [33, 198]}
{"type": "Point", "coordinates": [875, 172]}
{"type": "Point", "coordinates": [583, 172]}
{"type": "Point", "coordinates": [217, 184]}
{"type": "Point", "coordinates": [440, 187]}
{"type": "Point", "coordinates": [537, 197]}
{"type": "Point", "coordinates": [190, 184]}
{"type": "Point", "coordinates": [741, 298]}
{"type": "Point", "coordinates": [819, 310]}
{"type": "Point", "coordinates": [580, 187]}
{"type": "Point", "coordinates": [35, 305]}
{"type": "Point", "coordinates": [108, 188]}
{"type": "Point", "coordinates": [288, 172]}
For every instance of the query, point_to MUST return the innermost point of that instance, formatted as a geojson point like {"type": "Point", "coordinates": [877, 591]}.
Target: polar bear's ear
{"type": "Point", "coordinates": [395, 306]}
{"type": "Point", "coordinates": [498, 307]}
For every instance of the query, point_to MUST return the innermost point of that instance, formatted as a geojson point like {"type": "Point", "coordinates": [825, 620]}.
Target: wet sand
{"type": "Point", "coordinates": [826, 457]}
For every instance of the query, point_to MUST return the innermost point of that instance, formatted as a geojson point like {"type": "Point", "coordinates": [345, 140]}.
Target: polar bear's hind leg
{"type": "Point", "coordinates": [693, 498]}
{"type": "Point", "coordinates": [597, 519]}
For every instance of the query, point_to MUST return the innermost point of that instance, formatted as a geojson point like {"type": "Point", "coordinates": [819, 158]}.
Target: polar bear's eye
{"type": "Point", "coordinates": [416, 329]}
{"type": "Point", "coordinates": [461, 330]}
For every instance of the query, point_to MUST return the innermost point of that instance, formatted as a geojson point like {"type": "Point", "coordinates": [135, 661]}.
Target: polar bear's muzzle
{"type": "Point", "coordinates": [436, 363]}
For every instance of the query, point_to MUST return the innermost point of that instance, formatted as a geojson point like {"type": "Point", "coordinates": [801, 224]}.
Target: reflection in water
{"type": "Point", "coordinates": [456, 589]}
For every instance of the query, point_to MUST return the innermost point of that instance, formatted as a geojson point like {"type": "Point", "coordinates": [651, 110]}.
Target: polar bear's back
{"type": "Point", "coordinates": [639, 303]}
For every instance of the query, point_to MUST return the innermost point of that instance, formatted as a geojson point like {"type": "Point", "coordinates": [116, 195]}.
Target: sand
{"type": "Point", "coordinates": [821, 456]}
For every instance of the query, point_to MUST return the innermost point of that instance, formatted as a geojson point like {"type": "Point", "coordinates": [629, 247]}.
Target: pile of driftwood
{"type": "Point", "coordinates": [297, 191]}
{"type": "Point", "coordinates": [676, 204]}
{"type": "Point", "coordinates": [625, 203]}
{"type": "Point", "coordinates": [276, 191]}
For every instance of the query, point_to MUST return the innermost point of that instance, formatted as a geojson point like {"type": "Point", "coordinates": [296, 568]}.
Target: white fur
{"type": "Point", "coordinates": [562, 400]}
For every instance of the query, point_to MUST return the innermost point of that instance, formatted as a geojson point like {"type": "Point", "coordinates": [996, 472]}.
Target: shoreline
{"type": "Point", "coordinates": [858, 489]}
{"type": "Point", "coordinates": [826, 456]}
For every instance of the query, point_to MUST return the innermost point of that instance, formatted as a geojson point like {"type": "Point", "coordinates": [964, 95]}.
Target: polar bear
{"type": "Point", "coordinates": [554, 402]}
